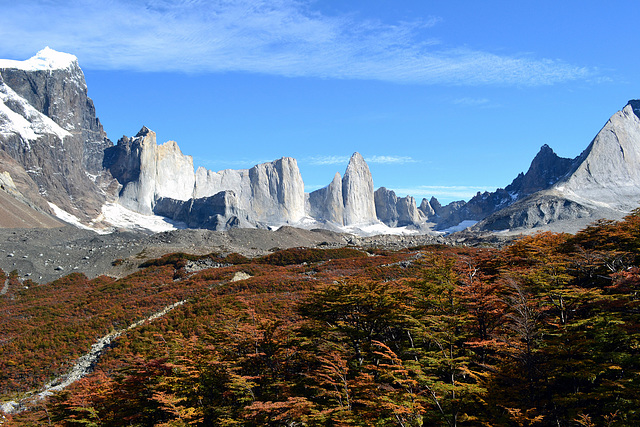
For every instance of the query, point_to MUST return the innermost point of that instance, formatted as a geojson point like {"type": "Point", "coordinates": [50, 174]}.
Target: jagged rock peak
{"type": "Point", "coordinates": [46, 59]}
{"type": "Point", "coordinates": [144, 132]}
{"type": "Point", "coordinates": [357, 192]}
{"type": "Point", "coordinates": [435, 205]}
{"type": "Point", "coordinates": [545, 170]}
{"type": "Point", "coordinates": [327, 203]}
{"type": "Point", "coordinates": [607, 171]}
{"type": "Point", "coordinates": [426, 208]}
{"type": "Point", "coordinates": [635, 105]}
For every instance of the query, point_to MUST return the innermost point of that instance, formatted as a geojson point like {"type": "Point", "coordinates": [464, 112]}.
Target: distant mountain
{"type": "Point", "coordinates": [49, 127]}
{"type": "Point", "coordinates": [58, 158]}
{"type": "Point", "coordinates": [545, 170]}
{"type": "Point", "coordinates": [603, 182]}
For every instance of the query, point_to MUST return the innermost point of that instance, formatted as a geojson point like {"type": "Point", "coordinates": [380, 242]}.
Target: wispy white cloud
{"type": "Point", "coordinates": [328, 160]}
{"type": "Point", "coordinates": [396, 160]}
{"type": "Point", "coordinates": [344, 160]}
{"type": "Point", "coordinates": [471, 102]}
{"type": "Point", "coordinates": [280, 37]}
{"type": "Point", "coordinates": [445, 192]}
{"type": "Point", "coordinates": [220, 164]}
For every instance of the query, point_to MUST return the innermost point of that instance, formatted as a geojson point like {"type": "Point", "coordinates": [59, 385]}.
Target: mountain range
{"type": "Point", "coordinates": [56, 162]}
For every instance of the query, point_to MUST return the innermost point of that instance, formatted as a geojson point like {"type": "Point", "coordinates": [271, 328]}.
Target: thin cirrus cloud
{"type": "Point", "coordinates": [471, 102]}
{"type": "Point", "coordinates": [278, 37]}
{"type": "Point", "coordinates": [343, 160]}
{"type": "Point", "coordinates": [448, 192]}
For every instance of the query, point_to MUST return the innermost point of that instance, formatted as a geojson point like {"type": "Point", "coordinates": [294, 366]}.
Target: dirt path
{"type": "Point", "coordinates": [5, 288]}
{"type": "Point", "coordinates": [81, 368]}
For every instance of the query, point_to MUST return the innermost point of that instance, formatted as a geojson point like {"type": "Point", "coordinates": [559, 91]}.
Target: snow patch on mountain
{"type": "Point", "coordinates": [19, 117]}
{"type": "Point", "coordinates": [121, 217]}
{"type": "Point", "coordinates": [46, 59]}
{"type": "Point", "coordinates": [463, 225]}
{"type": "Point", "coordinates": [71, 219]}
{"type": "Point", "coordinates": [378, 228]}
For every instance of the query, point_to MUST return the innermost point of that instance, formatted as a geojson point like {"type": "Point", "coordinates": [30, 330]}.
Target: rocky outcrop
{"type": "Point", "coordinates": [397, 212]}
{"type": "Point", "coordinates": [408, 213]}
{"type": "Point", "coordinates": [386, 209]}
{"type": "Point", "coordinates": [148, 172]}
{"type": "Point", "coordinates": [546, 169]}
{"type": "Point", "coordinates": [157, 178]}
{"type": "Point", "coordinates": [346, 202]}
{"type": "Point", "coordinates": [327, 203]}
{"type": "Point", "coordinates": [48, 125]}
{"type": "Point", "coordinates": [426, 209]}
{"type": "Point", "coordinates": [218, 212]}
{"type": "Point", "coordinates": [277, 192]}
{"type": "Point", "coordinates": [268, 194]}
{"type": "Point", "coordinates": [603, 182]}
{"type": "Point", "coordinates": [357, 193]}
{"type": "Point", "coordinates": [536, 211]}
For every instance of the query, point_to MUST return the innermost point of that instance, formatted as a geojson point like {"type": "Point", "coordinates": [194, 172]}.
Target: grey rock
{"type": "Point", "coordinates": [426, 209]}
{"type": "Point", "coordinates": [150, 174]}
{"type": "Point", "coordinates": [397, 212]}
{"type": "Point", "coordinates": [603, 182]}
{"type": "Point", "coordinates": [51, 131]}
{"type": "Point", "coordinates": [608, 171]}
{"type": "Point", "coordinates": [327, 203]}
{"type": "Point", "coordinates": [546, 169]}
{"type": "Point", "coordinates": [386, 206]}
{"type": "Point", "coordinates": [357, 193]}
{"type": "Point", "coordinates": [147, 171]}
{"type": "Point", "coordinates": [217, 212]}
{"type": "Point", "coordinates": [277, 192]}
{"type": "Point", "coordinates": [534, 212]}
{"type": "Point", "coordinates": [408, 213]}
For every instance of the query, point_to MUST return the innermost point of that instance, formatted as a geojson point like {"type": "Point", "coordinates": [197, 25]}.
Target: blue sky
{"type": "Point", "coordinates": [443, 98]}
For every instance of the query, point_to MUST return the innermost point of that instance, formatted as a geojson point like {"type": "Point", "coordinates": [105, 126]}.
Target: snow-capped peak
{"type": "Point", "coordinates": [46, 59]}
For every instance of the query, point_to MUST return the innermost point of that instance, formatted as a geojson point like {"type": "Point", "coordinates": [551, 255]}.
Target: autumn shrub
{"type": "Point", "coordinates": [308, 255]}
{"type": "Point", "coordinates": [178, 260]}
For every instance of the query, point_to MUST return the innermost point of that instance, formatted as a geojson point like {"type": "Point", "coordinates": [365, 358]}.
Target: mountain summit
{"type": "Point", "coordinates": [602, 182]}
{"type": "Point", "coordinates": [59, 160]}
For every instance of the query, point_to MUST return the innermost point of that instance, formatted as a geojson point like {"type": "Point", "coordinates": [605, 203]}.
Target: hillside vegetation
{"type": "Point", "coordinates": [543, 332]}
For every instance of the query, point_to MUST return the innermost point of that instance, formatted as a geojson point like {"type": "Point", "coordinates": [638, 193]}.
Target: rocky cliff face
{"type": "Point", "coordinates": [327, 203]}
{"type": "Point", "coordinates": [49, 127]}
{"type": "Point", "coordinates": [349, 201]}
{"type": "Point", "coordinates": [218, 212]}
{"type": "Point", "coordinates": [608, 171]}
{"type": "Point", "coordinates": [397, 212]}
{"type": "Point", "coordinates": [156, 178]}
{"type": "Point", "coordinates": [148, 172]}
{"type": "Point", "coordinates": [277, 192]}
{"type": "Point", "coordinates": [603, 182]}
{"type": "Point", "coordinates": [357, 192]}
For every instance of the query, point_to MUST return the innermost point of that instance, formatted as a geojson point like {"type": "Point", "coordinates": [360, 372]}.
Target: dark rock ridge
{"type": "Point", "coordinates": [395, 211]}
{"type": "Point", "coordinates": [49, 127]}
{"type": "Point", "coordinates": [602, 182]}
{"type": "Point", "coordinates": [545, 170]}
